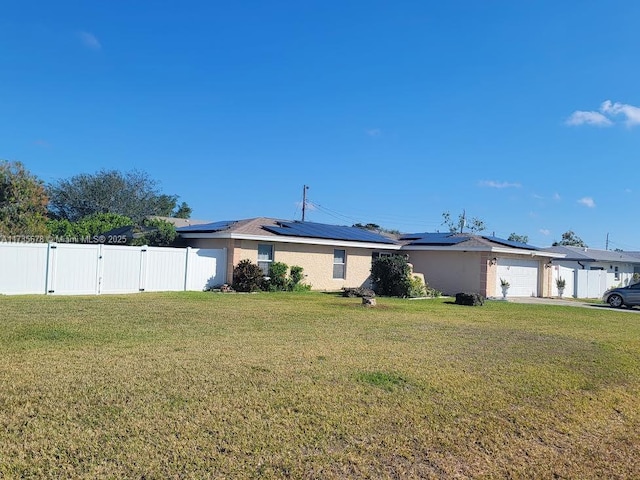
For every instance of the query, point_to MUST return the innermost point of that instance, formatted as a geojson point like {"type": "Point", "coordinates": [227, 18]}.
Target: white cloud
{"type": "Point", "coordinates": [544, 231]}
{"type": "Point", "coordinates": [580, 117]}
{"type": "Point", "coordinates": [556, 196]}
{"type": "Point", "coordinates": [606, 116]}
{"type": "Point", "coordinates": [587, 202]}
{"type": "Point", "coordinates": [494, 184]}
{"type": "Point", "coordinates": [373, 132]}
{"type": "Point", "coordinates": [631, 113]}
{"type": "Point", "coordinates": [627, 190]}
{"type": "Point", "coordinates": [89, 40]}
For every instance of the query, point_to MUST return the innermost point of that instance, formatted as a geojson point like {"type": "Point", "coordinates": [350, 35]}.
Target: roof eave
{"type": "Point", "coordinates": [298, 240]}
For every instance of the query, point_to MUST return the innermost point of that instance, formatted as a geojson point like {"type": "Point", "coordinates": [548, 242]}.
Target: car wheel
{"type": "Point", "coordinates": [615, 301]}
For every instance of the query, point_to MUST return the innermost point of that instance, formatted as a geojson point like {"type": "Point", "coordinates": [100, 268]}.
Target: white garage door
{"type": "Point", "coordinates": [521, 274]}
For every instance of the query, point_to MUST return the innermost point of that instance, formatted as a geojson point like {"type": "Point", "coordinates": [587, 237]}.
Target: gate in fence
{"type": "Point", "coordinates": [77, 269]}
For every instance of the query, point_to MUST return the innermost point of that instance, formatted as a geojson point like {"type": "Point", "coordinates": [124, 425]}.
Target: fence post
{"type": "Point", "coordinates": [50, 273]}
{"type": "Point", "coordinates": [186, 267]}
{"type": "Point", "coordinates": [99, 268]}
{"type": "Point", "coordinates": [143, 269]}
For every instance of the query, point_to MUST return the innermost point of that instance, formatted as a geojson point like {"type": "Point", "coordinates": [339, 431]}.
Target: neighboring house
{"type": "Point", "coordinates": [636, 269]}
{"type": "Point", "coordinates": [332, 256]}
{"type": "Point", "coordinates": [588, 272]}
{"type": "Point", "coordinates": [339, 256]}
{"type": "Point", "coordinates": [464, 262]}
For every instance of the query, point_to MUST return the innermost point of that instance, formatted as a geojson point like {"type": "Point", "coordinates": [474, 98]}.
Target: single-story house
{"type": "Point", "coordinates": [332, 256]}
{"type": "Point", "coordinates": [464, 262]}
{"type": "Point", "coordinates": [335, 256]}
{"type": "Point", "coordinates": [588, 272]}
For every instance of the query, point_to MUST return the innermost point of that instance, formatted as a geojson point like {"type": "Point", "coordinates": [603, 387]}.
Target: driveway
{"type": "Point", "coordinates": [569, 303]}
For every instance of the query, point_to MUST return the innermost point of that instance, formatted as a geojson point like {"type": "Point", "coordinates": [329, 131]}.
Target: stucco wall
{"type": "Point", "coordinates": [451, 272]}
{"type": "Point", "coordinates": [316, 260]}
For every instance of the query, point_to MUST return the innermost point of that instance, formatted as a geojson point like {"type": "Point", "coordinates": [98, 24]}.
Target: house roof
{"type": "Point", "coordinates": [272, 229]}
{"type": "Point", "coordinates": [332, 232]}
{"type": "Point", "coordinates": [261, 227]}
{"type": "Point", "coordinates": [593, 255]}
{"type": "Point", "coordinates": [460, 239]}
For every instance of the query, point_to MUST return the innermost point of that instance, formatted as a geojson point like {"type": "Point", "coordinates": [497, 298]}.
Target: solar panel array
{"type": "Point", "coordinates": [509, 243]}
{"type": "Point", "coordinates": [331, 232]}
{"type": "Point", "coordinates": [434, 238]}
{"type": "Point", "coordinates": [207, 227]}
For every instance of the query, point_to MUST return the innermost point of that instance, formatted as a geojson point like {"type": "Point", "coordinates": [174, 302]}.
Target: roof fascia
{"type": "Point", "coordinates": [299, 240]}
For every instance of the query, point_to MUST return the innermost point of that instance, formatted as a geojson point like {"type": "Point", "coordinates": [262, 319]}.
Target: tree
{"type": "Point", "coordinates": [474, 224]}
{"type": "Point", "coordinates": [96, 224]}
{"type": "Point", "coordinates": [156, 233]}
{"type": "Point", "coordinates": [183, 211]}
{"type": "Point", "coordinates": [23, 201]}
{"type": "Point", "coordinates": [133, 194]}
{"type": "Point", "coordinates": [375, 228]}
{"type": "Point", "coordinates": [514, 237]}
{"type": "Point", "coordinates": [570, 239]}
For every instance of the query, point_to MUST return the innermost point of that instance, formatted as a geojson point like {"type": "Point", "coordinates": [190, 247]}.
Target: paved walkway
{"type": "Point", "coordinates": [569, 303]}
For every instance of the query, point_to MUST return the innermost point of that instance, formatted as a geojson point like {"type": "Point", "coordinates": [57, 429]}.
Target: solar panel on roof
{"type": "Point", "coordinates": [510, 243]}
{"type": "Point", "coordinates": [331, 232]}
{"type": "Point", "coordinates": [207, 227]}
{"type": "Point", "coordinates": [437, 238]}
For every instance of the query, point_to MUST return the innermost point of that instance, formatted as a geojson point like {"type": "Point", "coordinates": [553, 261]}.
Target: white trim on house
{"type": "Point", "coordinates": [285, 239]}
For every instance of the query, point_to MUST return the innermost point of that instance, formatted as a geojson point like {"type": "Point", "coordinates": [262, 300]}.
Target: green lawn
{"type": "Point", "coordinates": [313, 385]}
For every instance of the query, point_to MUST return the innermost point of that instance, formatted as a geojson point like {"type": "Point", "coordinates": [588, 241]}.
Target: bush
{"type": "Point", "coordinates": [277, 281]}
{"type": "Point", "coordinates": [247, 277]}
{"type": "Point", "coordinates": [296, 276]}
{"type": "Point", "coordinates": [295, 280]}
{"type": "Point", "coordinates": [391, 276]}
{"type": "Point", "coordinates": [416, 287]}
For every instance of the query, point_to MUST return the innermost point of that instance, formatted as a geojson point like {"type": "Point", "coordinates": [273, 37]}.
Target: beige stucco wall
{"type": "Point", "coordinates": [316, 260]}
{"type": "Point", "coordinates": [451, 272]}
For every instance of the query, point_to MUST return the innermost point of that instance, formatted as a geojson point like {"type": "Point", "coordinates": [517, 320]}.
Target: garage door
{"type": "Point", "coordinates": [521, 274]}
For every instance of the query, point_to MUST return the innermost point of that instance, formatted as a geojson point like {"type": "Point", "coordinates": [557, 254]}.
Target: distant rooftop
{"type": "Point", "coordinates": [594, 254]}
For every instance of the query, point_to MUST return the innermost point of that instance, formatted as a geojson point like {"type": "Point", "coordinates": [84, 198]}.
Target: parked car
{"type": "Point", "coordinates": [617, 297]}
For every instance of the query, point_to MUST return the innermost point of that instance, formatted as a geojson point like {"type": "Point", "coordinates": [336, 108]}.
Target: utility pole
{"type": "Point", "coordinates": [464, 220]}
{"type": "Point", "coordinates": [304, 200]}
{"type": "Point", "coordinates": [607, 247]}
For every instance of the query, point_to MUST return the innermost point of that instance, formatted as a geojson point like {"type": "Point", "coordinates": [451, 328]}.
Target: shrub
{"type": "Point", "coordinates": [391, 276]}
{"type": "Point", "coordinates": [294, 284]}
{"type": "Point", "coordinates": [296, 276]}
{"type": "Point", "coordinates": [247, 277]}
{"type": "Point", "coordinates": [416, 287]}
{"type": "Point", "coordinates": [277, 281]}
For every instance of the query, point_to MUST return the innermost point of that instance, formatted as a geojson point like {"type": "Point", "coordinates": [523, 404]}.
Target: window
{"type": "Point", "coordinates": [617, 274]}
{"type": "Point", "coordinates": [339, 263]}
{"type": "Point", "coordinates": [265, 257]}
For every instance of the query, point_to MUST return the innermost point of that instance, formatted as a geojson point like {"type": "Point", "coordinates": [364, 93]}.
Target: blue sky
{"type": "Point", "coordinates": [525, 114]}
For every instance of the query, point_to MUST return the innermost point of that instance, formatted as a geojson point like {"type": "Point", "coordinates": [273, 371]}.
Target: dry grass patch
{"type": "Point", "coordinates": [314, 386]}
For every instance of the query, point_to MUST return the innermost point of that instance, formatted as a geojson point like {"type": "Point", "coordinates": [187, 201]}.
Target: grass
{"type": "Point", "coordinates": [201, 385]}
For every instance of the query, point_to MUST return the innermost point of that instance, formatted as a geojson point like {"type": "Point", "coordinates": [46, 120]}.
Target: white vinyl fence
{"type": "Point", "coordinates": [78, 269]}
